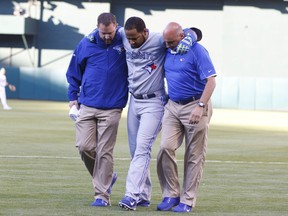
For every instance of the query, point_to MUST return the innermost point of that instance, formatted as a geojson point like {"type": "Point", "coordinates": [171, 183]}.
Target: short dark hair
{"type": "Point", "coordinates": [106, 19]}
{"type": "Point", "coordinates": [135, 23]}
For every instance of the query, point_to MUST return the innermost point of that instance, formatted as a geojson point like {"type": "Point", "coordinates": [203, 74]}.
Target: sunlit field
{"type": "Point", "coordinates": [246, 170]}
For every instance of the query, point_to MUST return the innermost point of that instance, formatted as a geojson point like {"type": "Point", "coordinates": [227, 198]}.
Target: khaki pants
{"type": "Point", "coordinates": [96, 132]}
{"type": "Point", "coordinates": [175, 127]}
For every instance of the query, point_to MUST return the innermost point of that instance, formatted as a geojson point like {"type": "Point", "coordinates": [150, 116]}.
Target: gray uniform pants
{"type": "Point", "coordinates": [175, 127]}
{"type": "Point", "coordinates": [96, 132]}
{"type": "Point", "coordinates": [143, 123]}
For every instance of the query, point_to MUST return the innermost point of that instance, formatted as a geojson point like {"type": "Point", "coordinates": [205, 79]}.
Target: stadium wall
{"type": "Point", "coordinates": [247, 41]}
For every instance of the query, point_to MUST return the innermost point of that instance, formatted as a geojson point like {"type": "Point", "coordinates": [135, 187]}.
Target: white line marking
{"type": "Point", "coordinates": [249, 162]}
{"type": "Point", "coordinates": [34, 156]}
{"type": "Point", "coordinates": [128, 159]}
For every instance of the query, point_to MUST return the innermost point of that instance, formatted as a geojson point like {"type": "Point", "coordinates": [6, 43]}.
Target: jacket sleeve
{"type": "Point", "coordinates": [75, 72]}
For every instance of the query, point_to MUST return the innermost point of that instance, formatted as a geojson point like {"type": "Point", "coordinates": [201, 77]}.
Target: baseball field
{"type": "Point", "coordinates": [246, 170]}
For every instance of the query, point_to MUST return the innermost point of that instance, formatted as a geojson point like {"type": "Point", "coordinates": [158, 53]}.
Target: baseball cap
{"type": "Point", "coordinates": [198, 33]}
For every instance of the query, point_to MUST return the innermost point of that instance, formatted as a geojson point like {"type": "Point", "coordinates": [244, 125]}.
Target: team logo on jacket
{"type": "Point", "coordinates": [150, 68]}
{"type": "Point", "coordinates": [90, 38]}
{"type": "Point", "coordinates": [119, 49]}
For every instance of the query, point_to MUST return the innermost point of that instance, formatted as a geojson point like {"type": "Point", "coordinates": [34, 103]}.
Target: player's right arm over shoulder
{"type": "Point", "coordinates": [122, 33]}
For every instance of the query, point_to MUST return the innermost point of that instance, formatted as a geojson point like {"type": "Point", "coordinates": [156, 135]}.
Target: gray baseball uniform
{"type": "Point", "coordinates": [146, 109]}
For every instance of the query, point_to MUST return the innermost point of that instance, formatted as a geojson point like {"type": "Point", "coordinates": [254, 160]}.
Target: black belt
{"type": "Point", "coordinates": [145, 96]}
{"type": "Point", "coordinates": [186, 101]}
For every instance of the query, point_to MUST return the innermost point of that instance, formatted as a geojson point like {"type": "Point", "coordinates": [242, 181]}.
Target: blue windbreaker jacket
{"type": "Point", "coordinates": [97, 73]}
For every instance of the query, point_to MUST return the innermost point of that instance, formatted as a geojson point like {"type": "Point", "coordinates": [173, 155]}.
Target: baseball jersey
{"type": "Point", "coordinates": [186, 74]}
{"type": "Point", "coordinates": [145, 64]}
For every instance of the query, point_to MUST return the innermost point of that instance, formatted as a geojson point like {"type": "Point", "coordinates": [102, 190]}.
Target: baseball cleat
{"type": "Point", "coordinates": [145, 203]}
{"type": "Point", "coordinates": [114, 178]}
{"type": "Point", "coordinates": [168, 203]}
{"type": "Point", "coordinates": [100, 203]}
{"type": "Point", "coordinates": [128, 203]}
{"type": "Point", "coordinates": [182, 208]}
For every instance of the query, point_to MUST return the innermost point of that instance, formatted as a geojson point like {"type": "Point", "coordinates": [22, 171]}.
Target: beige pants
{"type": "Point", "coordinates": [175, 127]}
{"type": "Point", "coordinates": [96, 132]}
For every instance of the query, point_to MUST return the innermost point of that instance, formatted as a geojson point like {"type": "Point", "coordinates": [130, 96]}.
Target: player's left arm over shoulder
{"type": "Point", "coordinates": [193, 33]}
{"type": "Point", "coordinates": [191, 36]}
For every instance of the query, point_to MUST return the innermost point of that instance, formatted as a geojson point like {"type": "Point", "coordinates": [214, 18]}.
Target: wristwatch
{"type": "Point", "coordinates": [201, 104]}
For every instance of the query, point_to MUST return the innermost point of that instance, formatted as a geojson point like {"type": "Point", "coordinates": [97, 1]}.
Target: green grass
{"type": "Point", "coordinates": [41, 172]}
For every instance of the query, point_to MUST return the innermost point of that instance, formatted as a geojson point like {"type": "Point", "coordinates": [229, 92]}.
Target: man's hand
{"type": "Point", "coordinates": [185, 44]}
{"type": "Point", "coordinates": [196, 115]}
{"type": "Point", "coordinates": [75, 102]}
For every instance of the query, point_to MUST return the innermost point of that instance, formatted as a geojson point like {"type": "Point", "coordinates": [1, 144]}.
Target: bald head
{"type": "Point", "coordinates": [172, 29]}
{"type": "Point", "coordinates": [172, 34]}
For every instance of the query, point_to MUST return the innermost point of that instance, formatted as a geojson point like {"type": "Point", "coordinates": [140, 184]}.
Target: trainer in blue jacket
{"type": "Point", "coordinates": [98, 88]}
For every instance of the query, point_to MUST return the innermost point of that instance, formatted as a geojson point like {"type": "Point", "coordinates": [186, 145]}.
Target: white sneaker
{"type": "Point", "coordinates": [7, 108]}
{"type": "Point", "coordinates": [73, 113]}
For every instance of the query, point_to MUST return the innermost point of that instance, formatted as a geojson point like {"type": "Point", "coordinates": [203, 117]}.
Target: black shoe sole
{"type": "Point", "coordinates": [127, 208]}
